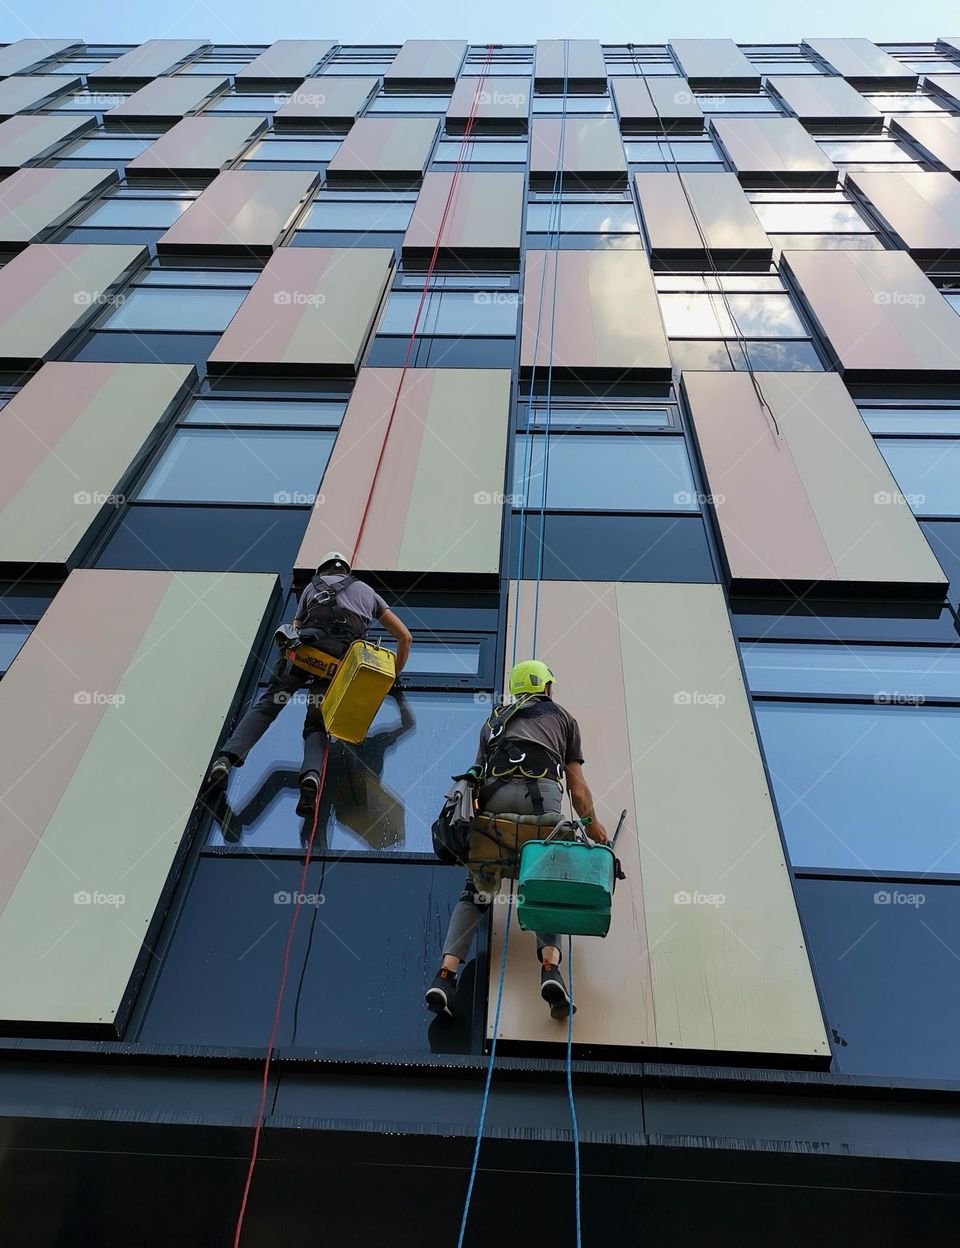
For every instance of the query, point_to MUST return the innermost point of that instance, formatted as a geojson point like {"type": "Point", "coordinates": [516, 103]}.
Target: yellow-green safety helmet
{"type": "Point", "coordinates": [530, 676]}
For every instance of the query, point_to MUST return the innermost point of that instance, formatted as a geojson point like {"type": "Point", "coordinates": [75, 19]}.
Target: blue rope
{"type": "Point", "coordinates": [553, 326]}
{"type": "Point", "coordinates": [572, 1103]}
{"type": "Point", "coordinates": [489, 1079]}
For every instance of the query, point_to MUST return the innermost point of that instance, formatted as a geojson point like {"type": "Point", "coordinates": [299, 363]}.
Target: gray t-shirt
{"type": "Point", "coordinates": [545, 723]}
{"type": "Point", "coordinates": [357, 597]}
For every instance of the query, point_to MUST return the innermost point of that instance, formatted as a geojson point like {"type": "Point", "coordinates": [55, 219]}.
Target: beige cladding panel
{"type": "Point", "coordinates": [23, 92]}
{"type": "Point", "coordinates": [714, 62]}
{"type": "Point", "coordinates": [921, 208]}
{"type": "Point", "coordinates": [891, 319]}
{"type": "Point", "coordinates": [202, 144]}
{"type": "Point", "coordinates": [777, 148]}
{"type": "Point", "coordinates": [27, 53]}
{"type": "Point", "coordinates": [248, 208]}
{"type": "Point", "coordinates": [485, 213]}
{"type": "Point", "coordinates": [490, 100]}
{"type": "Point", "coordinates": [577, 60]}
{"type": "Point", "coordinates": [25, 138]}
{"type": "Point", "coordinates": [312, 306]}
{"type": "Point", "coordinates": [287, 59]}
{"type": "Point", "coordinates": [328, 99]}
{"type": "Point", "coordinates": [728, 963]}
{"type": "Point", "coordinates": [149, 60]}
{"type": "Point", "coordinates": [859, 60]}
{"type": "Point", "coordinates": [49, 288]}
{"type": "Point", "coordinates": [385, 146]}
{"type": "Point", "coordinates": [145, 755]}
{"type": "Point", "coordinates": [33, 200]}
{"type": "Point", "coordinates": [937, 137]}
{"type": "Point", "coordinates": [168, 97]}
{"type": "Point", "coordinates": [823, 100]}
{"type": "Point", "coordinates": [427, 60]}
{"type": "Point", "coordinates": [724, 219]}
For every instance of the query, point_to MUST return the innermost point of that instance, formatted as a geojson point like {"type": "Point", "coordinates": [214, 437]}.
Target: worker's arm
{"type": "Point", "coordinates": [396, 628]}
{"type": "Point", "coordinates": [582, 800]}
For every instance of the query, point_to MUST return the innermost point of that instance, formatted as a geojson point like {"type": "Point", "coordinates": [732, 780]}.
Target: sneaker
{"type": "Point", "coordinates": [554, 992]}
{"type": "Point", "coordinates": [309, 792]}
{"type": "Point", "coordinates": [218, 775]}
{"type": "Point", "coordinates": [442, 993]}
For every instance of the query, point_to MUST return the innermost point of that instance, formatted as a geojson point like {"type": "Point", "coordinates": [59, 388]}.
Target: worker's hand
{"type": "Point", "coordinates": [597, 832]}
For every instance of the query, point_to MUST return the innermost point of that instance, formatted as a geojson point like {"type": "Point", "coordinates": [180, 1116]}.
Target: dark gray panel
{"type": "Point", "coordinates": [888, 974]}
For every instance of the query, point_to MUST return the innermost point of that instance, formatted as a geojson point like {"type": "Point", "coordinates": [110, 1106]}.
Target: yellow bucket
{"type": "Point", "coordinates": [364, 678]}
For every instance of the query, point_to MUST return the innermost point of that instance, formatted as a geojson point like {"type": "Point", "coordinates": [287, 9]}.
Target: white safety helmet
{"type": "Point", "coordinates": [333, 556]}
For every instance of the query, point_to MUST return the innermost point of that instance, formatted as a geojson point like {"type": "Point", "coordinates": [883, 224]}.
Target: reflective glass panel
{"type": "Point", "coordinates": [591, 472]}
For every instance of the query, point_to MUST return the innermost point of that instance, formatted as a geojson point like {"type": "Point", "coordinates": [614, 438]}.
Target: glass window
{"type": "Point", "coordinates": [593, 472]}
{"type": "Point", "coordinates": [214, 67]}
{"type": "Point", "coordinates": [927, 472]}
{"type": "Point", "coordinates": [684, 151]}
{"type": "Point", "coordinates": [737, 104]}
{"type": "Point", "coordinates": [905, 103]}
{"type": "Point", "coordinates": [199, 311]}
{"type": "Point", "coordinates": [583, 218]}
{"type": "Point", "coordinates": [912, 419]}
{"type": "Point", "coordinates": [613, 416]}
{"type": "Point", "coordinates": [379, 797]}
{"type": "Point", "coordinates": [953, 298]}
{"type": "Point", "coordinates": [363, 69]}
{"type": "Point", "coordinates": [484, 313]}
{"type": "Point", "coordinates": [865, 151]}
{"type": "Point", "coordinates": [409, 104]}
{"type": "Point", "coordinates": [574, 104]}
{"type": "Point", "coordinates": [309, 151]}
{"type": "Point", "coordinates": [12, 637]}
{"type": "Point", "coordinates": [89, 102]}
{"type": "Point", "coordinates": [785, 68]}
{"type": "Point", "coordinates": [145, 213]}
{"type": "Point", "coordinates": [430, 658]}
{"type": "Point", "coordinates": [757, 315]}
{"type": "Point", "coordinates": [230, 412]}
{"type": "Point", "coordinates": [492, 152]}
{"type": "Point", "coordinates": [788, 218]}
{"type": "Point", "coordinates": [886, 673]}
{"type": "Point", "coordinates": [121, 147]}
{"type": "Point", "coordinates": [254, 466]}
{"type": "Point", "coordinates": [74, 67]}
{"type": "Point", "coordinates": [359, 216]}
{"type": "Point", "coordinates": [865, 787]}
{"type": "Point", "coordinates": [198, 277]}
{"type": "Point", "coordinates": [248, 102]}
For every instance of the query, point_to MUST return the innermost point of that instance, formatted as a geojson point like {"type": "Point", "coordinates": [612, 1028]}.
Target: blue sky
{"type": "Point", "coordinates": [390, 21]}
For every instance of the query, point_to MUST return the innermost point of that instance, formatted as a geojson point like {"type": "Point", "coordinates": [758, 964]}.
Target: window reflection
{"type": "Point", "coordinates": [379, 797]}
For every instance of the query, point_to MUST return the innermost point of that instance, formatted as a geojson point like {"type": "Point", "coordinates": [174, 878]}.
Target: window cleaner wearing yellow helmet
{"type": "Point", "coordinates": [528, 747]}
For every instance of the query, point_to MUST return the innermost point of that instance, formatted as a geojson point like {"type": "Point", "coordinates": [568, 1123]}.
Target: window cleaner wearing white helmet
{"type": "Point", "coordinates": [334, 611]}
{"type": "Point", "coordinates": [527, 749]}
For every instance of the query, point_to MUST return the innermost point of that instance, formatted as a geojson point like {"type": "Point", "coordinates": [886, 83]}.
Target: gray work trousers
{"type": "Point", "coordinates": [286, 681]}
{"type": "Point", "coordinates": [512, 798]}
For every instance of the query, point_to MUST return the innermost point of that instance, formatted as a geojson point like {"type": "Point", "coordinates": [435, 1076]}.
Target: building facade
{"type": "Point", "coordinates": [641, 358]}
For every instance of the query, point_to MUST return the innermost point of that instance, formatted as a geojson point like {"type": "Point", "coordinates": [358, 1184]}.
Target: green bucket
{"type": "Point", "coordinates": [566, 887]}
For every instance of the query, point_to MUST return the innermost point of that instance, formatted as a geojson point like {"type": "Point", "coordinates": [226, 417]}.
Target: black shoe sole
{"type": "Point", "coordinates": [557, 999]}
{"type": "Point", "coordinates": [436, 1001]}
{"type": "Point", "coordinates": [308, 800]}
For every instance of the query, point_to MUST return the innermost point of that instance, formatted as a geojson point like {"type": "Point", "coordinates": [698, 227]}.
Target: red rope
{"type": "Point", "coordinates": [262, 1110]}
{"type": "Point", "coordinates": [461, 157]}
